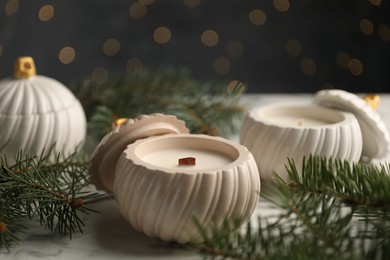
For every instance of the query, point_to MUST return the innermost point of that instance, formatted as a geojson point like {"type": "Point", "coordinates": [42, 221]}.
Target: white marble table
{"type": "Point", "coordinates": [108, 236]}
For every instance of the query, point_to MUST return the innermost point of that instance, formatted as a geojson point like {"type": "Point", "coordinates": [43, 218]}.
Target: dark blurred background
{"type": "Point", "coordinates": [272, 46]}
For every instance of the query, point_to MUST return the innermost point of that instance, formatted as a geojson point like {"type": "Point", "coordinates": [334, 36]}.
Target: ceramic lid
{"type": "Point", "coordinates": [376, 140]}
{"type": "Point", "coordinates": [108, 151]}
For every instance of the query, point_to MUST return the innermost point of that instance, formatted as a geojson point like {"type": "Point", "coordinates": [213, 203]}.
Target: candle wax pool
{"type": "Point", "coordinates": [205, 159]}
{"type": "Point", "coordinates": [298, 121]}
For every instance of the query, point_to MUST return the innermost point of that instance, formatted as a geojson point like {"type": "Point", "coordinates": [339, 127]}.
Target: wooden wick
{"type": "Point", "coordinates": [187, 161]}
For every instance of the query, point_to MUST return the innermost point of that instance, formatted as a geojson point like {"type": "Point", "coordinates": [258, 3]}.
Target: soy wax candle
{"type": "Point", "coordinates": [163, 181]}
{"type": "Point", "coordinates": [277, 132]}
{"type": "Point", "coordinates": [179, 157]}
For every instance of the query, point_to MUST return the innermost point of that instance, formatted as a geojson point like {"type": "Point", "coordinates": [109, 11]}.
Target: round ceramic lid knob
{"type": "Point", "coordinates": [106, 154]}
{"type": "Point", "coordinates": [376, 140]}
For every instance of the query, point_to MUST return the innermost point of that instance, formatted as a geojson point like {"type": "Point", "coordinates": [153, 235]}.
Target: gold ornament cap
{"type": "Point", "coordinates": [376, 137]}
{"type": "Point", "coordinates": [24, 67]}
{"type": "Point", "coordinates": [373, 100]}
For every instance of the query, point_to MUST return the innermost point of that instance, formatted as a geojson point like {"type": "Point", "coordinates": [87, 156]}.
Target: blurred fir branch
{"type": "Point", "coordinates": [330, 209]}
{"type": "Point", "coordinates": [35, 187]}
{"type": "Point", "coordinates": [206, 107]}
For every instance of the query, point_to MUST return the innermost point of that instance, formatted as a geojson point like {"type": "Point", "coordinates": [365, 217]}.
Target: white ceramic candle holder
{"type": "Point", "coordinates": [160, 197]}
{"type": "Point", "coordinates": [277, 132]}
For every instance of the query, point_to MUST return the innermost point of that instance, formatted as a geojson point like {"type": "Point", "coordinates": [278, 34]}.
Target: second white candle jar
{"type": "Point", "coordinates": [164, 177]}
{"type": "Point", "coordinates": [331, 127]}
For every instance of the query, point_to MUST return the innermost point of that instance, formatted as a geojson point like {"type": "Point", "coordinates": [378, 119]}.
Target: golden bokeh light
{"type": "Point", "coordinates": [46, 12]}
{"type": "Point", "coordinates": [137, 10]}
{"type": "Point", "coordinates": [99, 75]}
{"type": "Point", "coordinates": [375, 2]}
{"type": "Point", "coordinates": [355, 66]}
{"type": "Point", "coordinates": [11, 7]}
{"type": "Point", "coordinates": [343, 59]}
{"type": "Point", "coordinates": [293, 47]}
{"type": "Point", "coordinates": [134, 64]}
{"type": "Point", "coordinates": [146, 2]}
{"type": "Point", "coordinates": [111, 47]}
{"type": "Point", "coordinates": [367, 27]}
{"type": "Point", "coordinates": [210, 38]}
{"type": "Point", "coordinates": [221, 65]}
{"type": "Point", "coordinates": [308, 66]}
{"type": "Point", "coordinates": [257, 17]}
{"type": "Point", "coordinates": [384, 32]}
{"type": "Point", "coordinates": [162, 35]}
{"type": "Point", "coordinates": [235, 48]}
{"type": "Point", "coordinates": [281, 5]}
{"type": "Point", "coordinates": [191, 3]}
{"type": "Point", "coordinates": [67, 55]}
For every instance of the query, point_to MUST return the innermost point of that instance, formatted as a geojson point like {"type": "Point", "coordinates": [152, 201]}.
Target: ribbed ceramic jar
{"type": "Point", "coordinates": [38, 113]}
{"type": "Point", "coordinates": [277, 132]}
{"type": "Point", "coordinates": [161, 198]}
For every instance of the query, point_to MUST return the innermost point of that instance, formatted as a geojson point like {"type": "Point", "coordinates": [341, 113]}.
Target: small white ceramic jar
{"type": "Point", "coordinates": [161, 182]}
{"type": "Point", "coordinates": [277, 132]}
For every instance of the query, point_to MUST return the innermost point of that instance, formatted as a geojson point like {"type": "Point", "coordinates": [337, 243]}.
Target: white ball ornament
{"type": "Point", "coordinates": [37, 114]}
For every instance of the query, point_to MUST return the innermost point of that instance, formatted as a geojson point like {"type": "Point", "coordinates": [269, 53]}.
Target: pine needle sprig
{"type": "Point", "coordinates": [9, 217]}
{"type": "Point", "coordinates": [55, 192]}
{"type": "Point", "coordinates": [328, 209]}
{"type": "Point", "coordinates": [359, 184]}
{"type": "Point", "coordinates": [206, 107]}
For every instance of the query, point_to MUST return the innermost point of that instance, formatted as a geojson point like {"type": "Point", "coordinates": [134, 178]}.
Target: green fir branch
{"type": "Point", "coordinates": [38, 187]}
{"type": "Point", "coordinates": [328, 209]}
{"type": "Point", "coordinates": [207, 108]}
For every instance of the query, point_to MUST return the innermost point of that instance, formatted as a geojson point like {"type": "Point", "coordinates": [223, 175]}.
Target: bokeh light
{"type": "Point", "coordinates": [46, 13]}
{"type": "Point", "coordinates": [257, 17]}
{"type": "Point", "coordinates": [67, 55]}
{"type": "Point", "coordinates": [111, 47]}
{"type": "Point", "coordinates": [293, 47]}
{"type": "Point", "coordinates": [281, 5]}
{"type": "Point", "coordinates": [384, 32]}
{"type": "Point", "coordinates": [210, 38]}
{"type": "Point", "coordinates": [137, 10]}
{"type": "Point", "coordinates": [355, 66]}
{"type": "Point", "coordinates": [162, 35]}
{"type": "Point", "coordinates": [99, 75]}
{"type": "Point", "coordinates": [134, 64]}
{"type": "Point", "coordinates": [11, 7]}
{"type": "Point", "coordinates": [367, 27]}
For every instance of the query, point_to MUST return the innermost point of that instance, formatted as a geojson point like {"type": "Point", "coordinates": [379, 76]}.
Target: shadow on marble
{"type": "Point", "coordinates": [114, 233]}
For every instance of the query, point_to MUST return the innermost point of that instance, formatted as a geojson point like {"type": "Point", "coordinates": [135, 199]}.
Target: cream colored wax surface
{"type": "Point", "coordinates": [298, 121]}
{"type": "Point", "coordinates": [205, 159]}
